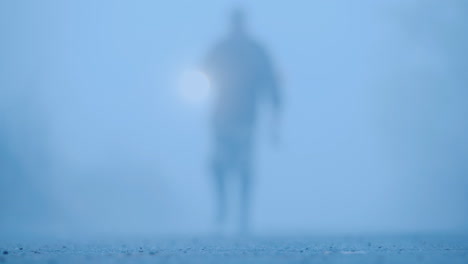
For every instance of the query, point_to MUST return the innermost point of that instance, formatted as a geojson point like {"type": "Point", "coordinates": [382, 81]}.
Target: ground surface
{"type": "Point", "coordinates": [352, 249]}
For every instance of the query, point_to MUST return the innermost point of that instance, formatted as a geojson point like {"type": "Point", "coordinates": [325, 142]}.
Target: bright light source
{"type": "Point", "coordinates": [194, 87]}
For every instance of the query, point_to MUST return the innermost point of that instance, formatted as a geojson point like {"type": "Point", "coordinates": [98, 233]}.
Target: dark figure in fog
{"type": "Point", "coordinates": [243, 78]}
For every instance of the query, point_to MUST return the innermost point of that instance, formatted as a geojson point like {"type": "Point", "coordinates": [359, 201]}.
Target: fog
{"type": "Point", "coordinates": [104, 116]}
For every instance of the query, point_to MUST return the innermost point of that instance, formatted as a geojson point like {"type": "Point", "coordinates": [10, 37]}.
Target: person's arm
{"type": "Point", "coordinates": [276, 106]}
{"type": "Point", "coordinates": [272, 95]}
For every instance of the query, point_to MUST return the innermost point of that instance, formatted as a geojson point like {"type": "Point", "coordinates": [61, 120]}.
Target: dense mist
{"type": "Point", "coordinates": [104, 116]}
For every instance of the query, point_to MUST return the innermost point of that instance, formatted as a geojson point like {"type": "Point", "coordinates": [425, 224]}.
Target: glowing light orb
{"type": "Point", "coordinates": [194, 87]}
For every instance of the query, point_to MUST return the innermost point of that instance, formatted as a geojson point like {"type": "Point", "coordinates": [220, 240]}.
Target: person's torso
{"type": "Point", "coordinates": [236, 72]}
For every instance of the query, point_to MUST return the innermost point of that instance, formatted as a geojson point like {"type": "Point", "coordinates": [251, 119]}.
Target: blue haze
{"type": "Point", "coordinates": [94, 137]}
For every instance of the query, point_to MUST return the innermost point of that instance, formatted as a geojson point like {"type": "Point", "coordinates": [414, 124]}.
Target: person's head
{"type": "Point", "coordinates": [238, 21]}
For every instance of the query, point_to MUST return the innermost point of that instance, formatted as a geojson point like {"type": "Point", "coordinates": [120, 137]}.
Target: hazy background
{"type": "Point", "coordinates": [101, 130]}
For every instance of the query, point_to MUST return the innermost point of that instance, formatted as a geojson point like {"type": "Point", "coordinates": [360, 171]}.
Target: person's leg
{"type": "Point", "coordinates": [244, 167]}
{"type": "Point", "coordinates": [245, 189]}
{"type": "Point", "coordinates": [246, 174]}
{"type": "Point", "coordinates": [219, 176]}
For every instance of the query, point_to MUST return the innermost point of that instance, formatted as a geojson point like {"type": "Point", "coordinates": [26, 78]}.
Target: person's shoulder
{"type": "Point", "coordinates": [258, 47]}
{"type": "Point", "coordinates": [254, 43]}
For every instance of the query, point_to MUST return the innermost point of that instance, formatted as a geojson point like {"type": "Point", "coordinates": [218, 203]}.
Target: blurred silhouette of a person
{"type": "Point", "coordinates": [243, 78]}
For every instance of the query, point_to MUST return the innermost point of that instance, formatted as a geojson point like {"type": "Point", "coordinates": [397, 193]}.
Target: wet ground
{"type": "Point", "coordinates": [319, 249]}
